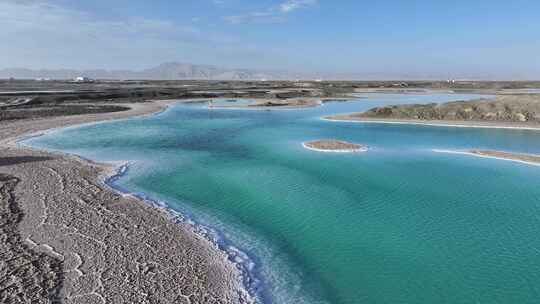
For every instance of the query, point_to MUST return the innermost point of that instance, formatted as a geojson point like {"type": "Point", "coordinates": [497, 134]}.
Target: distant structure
{"type": "Point", "coordinates": [304, 84]}
{"type": "Point", "coordinates": [401, 85]}
{"type": "Point", "coordinates": [82, 79]}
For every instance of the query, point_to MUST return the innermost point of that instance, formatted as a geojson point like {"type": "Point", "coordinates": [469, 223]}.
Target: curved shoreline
{"type": "Point", "coordinates": [242, 262]}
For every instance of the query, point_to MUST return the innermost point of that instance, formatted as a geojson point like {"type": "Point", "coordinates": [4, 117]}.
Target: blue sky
{"type": "Point", "coordinates": [376, 39]}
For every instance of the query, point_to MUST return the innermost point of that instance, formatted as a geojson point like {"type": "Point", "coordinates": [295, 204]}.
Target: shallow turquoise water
{"type": "Point", "coordinates": [399, 224]}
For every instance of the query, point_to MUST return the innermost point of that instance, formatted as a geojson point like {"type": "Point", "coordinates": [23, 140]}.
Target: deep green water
{"type": "Point", "coordinates": [399, 224]}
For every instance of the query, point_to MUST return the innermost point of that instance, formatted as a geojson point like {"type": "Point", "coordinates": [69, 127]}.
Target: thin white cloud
{"type": "Point", "coordinates": [272, 14]}
{"type": "Point", "coordinates": [255, 17]}
{"type": "Point", "coordinates": [292, 5]}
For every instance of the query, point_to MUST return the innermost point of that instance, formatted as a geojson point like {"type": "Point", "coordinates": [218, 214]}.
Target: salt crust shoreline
{"type": "Point", "coordinates": [110, 172]}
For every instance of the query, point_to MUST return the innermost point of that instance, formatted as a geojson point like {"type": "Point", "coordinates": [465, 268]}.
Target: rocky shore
{"type": "Point", "coordinates": [505, 111]}
{"type": "Point", "coordinates": [66, 237]}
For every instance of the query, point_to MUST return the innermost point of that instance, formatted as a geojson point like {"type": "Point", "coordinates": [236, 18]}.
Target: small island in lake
{"type": "Point", "coordinates": [331, 145]}
{"type": "Point", "coordinates": [269, 103]}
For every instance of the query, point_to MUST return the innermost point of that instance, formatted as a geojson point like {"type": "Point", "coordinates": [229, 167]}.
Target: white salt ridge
{"type": "Point", "coordinates": [485, 156]}
{"type": "Point", "coordinates": [434, 124]}
{"type": "Point", "coordinates": [251, 283]}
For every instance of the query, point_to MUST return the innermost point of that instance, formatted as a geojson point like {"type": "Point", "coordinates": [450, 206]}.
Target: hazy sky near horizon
{"type": "Point", "coordinates": [393, 38]}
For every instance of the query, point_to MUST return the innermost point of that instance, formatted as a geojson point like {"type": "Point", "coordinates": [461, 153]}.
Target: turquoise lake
{"type": "Point", "coordinates": [398, 224]}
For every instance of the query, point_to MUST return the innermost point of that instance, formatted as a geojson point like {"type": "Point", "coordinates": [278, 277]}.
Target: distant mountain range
{"type": "Point", "coordinates": [187, 71]}
{"type": "Point", "coordinates": [166, 71]}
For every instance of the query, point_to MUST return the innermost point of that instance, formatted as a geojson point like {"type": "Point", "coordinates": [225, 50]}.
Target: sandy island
{"type": "Point", "coordinates": [331, 145]}
{"type": "Point", "coordinates": [68, 237]}
{"type": "Point", "coordinates": [528, 159]}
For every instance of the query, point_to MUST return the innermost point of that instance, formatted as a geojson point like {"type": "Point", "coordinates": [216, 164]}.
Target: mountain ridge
{"type": "Point", "coordinates": [164, 71]}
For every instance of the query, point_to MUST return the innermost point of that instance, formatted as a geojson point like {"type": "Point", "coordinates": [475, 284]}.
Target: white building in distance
{"type": "Point", "coordinates": [82, 79]}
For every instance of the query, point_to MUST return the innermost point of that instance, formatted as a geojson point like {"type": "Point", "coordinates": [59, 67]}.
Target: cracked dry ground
{"type": "Point", "coordinates": [26, 276]}
{"type": "Point", "coordinates": [67, 238]}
